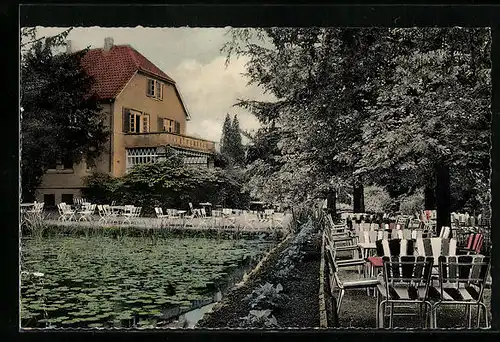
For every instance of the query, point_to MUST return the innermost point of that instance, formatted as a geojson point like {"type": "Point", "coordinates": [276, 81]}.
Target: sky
{"type": "Point", "coordinates": [192, 57]}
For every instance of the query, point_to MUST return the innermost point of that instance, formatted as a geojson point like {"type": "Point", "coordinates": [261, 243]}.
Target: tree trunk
{"type": "Point", "coordinates": [331, 204]}
{"type": "Point", "coordinates": [443, 197]}
{"type": "Point", "coordinates": [358, 198]}
{"type": "Point", "coordinates": [429, 198]}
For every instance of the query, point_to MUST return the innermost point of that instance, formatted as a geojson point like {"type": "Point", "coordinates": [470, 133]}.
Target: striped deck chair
{"type": "Point", "coordinates": [474, 244]}
{"type": "Point", "coordinates": [390, 247]}
{"type": "Point", "coordinates": [406, 280]}
{"type": "Point", "coordinates": [436, 247]}
{"type": "Point", "coordinates": [445, 232]}
{"type": "Point", "coordinates": [462, 280]}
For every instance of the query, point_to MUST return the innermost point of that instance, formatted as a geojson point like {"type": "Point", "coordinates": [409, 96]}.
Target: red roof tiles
{"type": "Point", "coordinates": [112, 69]}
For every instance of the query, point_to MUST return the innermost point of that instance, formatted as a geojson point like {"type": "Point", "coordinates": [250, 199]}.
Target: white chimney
{"type": "Point", "coordinates": [69, 47]}
{"type": "Point", "coordinates": [108, 43]}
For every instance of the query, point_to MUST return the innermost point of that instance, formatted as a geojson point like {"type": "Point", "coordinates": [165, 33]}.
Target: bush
{"type": "Point", "coordinates": [409, 205]}
{"type": "Point", "coordinates": [377, 200]}
{"type": "Point", "coordinates": [169, 185]}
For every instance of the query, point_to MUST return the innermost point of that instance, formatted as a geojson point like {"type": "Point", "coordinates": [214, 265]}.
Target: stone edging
{"type": "Point", "coordinates": [323, 321]}
{"type": "Point", "coordinates": [220, 304]}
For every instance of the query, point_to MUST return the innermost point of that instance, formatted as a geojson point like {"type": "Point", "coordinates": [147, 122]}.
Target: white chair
{"type": "Point", "coordinates": [205, 221]}
{"type": "Point", "coordinates": [87, 212]}
{"type": "Point", "coordinates": [174, 216]}
{"type": "Point", "coordinates": [128, 214]}
{"type": "Point", "coordinates": [228, 219]}
{"type": "Point", "coordinates": [65, 211]}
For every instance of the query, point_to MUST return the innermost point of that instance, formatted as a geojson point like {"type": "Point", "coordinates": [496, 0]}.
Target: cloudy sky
{"type": "Point", "coordinates": [192, 57]}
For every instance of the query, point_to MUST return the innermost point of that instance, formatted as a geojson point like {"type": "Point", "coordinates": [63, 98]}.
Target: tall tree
{"type": "Point", "coordinates": [322, 79]}
{"type": "Point", "coordinates": [433, 114]}
{"type": "Point", "coordinates": [225, 141]}
{"type": "Point", "coordinates": [238, 152]}
{"type": "Point", "coordinates": [61, 120]}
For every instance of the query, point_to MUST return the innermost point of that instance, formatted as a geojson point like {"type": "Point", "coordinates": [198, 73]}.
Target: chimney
{"type": "Point", "coordinates": [69, 47]}
{"type": "Point", "coordinates": [108, 43]}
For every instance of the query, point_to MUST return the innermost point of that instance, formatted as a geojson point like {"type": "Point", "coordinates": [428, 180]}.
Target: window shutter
{"type": "Point", "coordinates": [161, 90]}
{"type": "Point", "coordinates": [177, 127]}
{"type": "Point", "coordinates": [160, 125]}
{"type": "Point", "coordinates": [126, 120]}
{"type": "Point", "coordinates": [145, 123]}
{"type": "Point", "coordinates": [150, 90]}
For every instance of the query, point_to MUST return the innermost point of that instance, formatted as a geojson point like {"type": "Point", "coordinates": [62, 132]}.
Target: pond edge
{"type": "Point", "coordinates": [252, 273]}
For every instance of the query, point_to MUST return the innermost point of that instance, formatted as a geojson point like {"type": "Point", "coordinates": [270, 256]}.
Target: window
{"type": "Point", "coordinates": [166, 125]}
{"type": "Point", "coordinates": [67, 198]}
{"type": "Point", "coordinates": [49, 200]}
{"type": "Point", "coordinates": [140, 156]}
{"type": "Point", "coordinates": [155, 89]}
{"type": "Point", "coordinates": [135, 121]}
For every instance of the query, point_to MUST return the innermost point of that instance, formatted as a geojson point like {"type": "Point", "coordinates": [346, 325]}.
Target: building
{"type": "Point", "coordinates": [144, 110]}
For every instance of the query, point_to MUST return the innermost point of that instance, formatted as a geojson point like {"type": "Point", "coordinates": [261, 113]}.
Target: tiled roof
{"type": "Point", "coordinates": [112, 69]}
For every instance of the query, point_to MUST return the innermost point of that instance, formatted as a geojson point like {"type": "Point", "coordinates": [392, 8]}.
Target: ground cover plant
{"type": "Point", "coordinates": [283, 293]}
{"type": "Point", "coordinates": [104, 282]}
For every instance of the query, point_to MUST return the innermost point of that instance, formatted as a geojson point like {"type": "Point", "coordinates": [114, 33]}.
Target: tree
{"type": "Point", "coordinates": [61, 120]}
{"type": "Point", "coordinates": [432, 116]}
{"type": "Point", "coordinates": [231, 145]}
{"type": "Point", "coordinates": [225, 141]}
{"type": "Point", "coordinates": [322, 79]}
{"type": "Point", "coordinates": [238, 152]}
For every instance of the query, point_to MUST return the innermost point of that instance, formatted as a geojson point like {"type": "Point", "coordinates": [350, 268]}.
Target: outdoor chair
{"type": "Point", "coordinates": [174, 217]}
{"type": "Point", "coordinates": [474, 244]}
{"type": "Point", "coordinates": [435, 247]}
{"type": "Point", "coordinates": [406, 280]}
{"type": "Point", "coordinates": [336, 283]}
{"type": "Point", "coordinates": [228, 219]}
{"type": "Point", "coordinates": [65, 212]}
{"type": "Point", "coordinates": [102, 213]}
{"type": "Point", "coordinates": [462, 280]}
{"type": "Point", "coordinates": [87, 212]}
{"type": "Point", "coordinates": [205, 221]}
{"type": "Point", "coordinates": [111, 216]}
{"type": "Point", "coordinates": [445, 232]}
{"type": "Point", "coordinates": [159, 213]}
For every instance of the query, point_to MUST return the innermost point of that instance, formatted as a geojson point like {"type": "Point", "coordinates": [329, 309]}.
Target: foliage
{"type": "Point", "coordinates": [293, 254]}
{"type": "Point", "coordinates": [231, 144]}
{"type": "Point", "coordinates": [60, 118]}
{"type": "Point", "coordinates": [322, 79]}
{"type": "Point", "coordinates": [259, 319]}
{"type": "Point", "coordinates": [366, 105]}
{"type": "Point", "coordinates": [119, 283]}
{"type": "Point", "coordinates": [169, 184]}
{"type": "Point", "coordinates": [267, 296]}
{"type": "Point", "coordinates": [433, 110]}
{"type": "Point", "coordinates": [411, 204]}
{"type": "Point", "coordinates": [377, 200]}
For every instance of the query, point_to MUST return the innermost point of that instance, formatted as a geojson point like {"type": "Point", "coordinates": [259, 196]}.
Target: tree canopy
{"type": "Point", "coordinates": [367, 106]}
{"type": "Point", "coordinates": [61, 120]}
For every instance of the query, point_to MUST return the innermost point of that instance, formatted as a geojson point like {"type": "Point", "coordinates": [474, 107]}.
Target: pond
{"type": "Point", "coordinates": [127, 282]}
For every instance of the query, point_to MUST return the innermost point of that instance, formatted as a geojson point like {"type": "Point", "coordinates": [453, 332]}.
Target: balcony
{"type": "Point", "coordinates": [154, 139]}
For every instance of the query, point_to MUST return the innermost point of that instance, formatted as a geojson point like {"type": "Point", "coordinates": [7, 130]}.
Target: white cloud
{"type": "Point", "coordinates": [210, 91]}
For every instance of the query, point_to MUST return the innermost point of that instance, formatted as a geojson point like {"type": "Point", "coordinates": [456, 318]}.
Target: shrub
{"type": "Point", "coordinates": [259, 319]}
{"type": "Point", "coordinates": [170, 185]}
{"type": "Point", "coordinates": [377, 200]}
{"type": "Point", "coordinates": [409, 205]}
{"type": "Point", "coordinates": [267, 296]}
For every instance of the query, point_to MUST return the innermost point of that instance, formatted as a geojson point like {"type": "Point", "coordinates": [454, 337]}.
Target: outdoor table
{"type": "Point", "coordinates": [117, 209]}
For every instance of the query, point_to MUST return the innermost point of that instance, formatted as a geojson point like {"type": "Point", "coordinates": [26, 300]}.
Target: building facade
{"type": "Point", "coordinates": [144, 111]}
